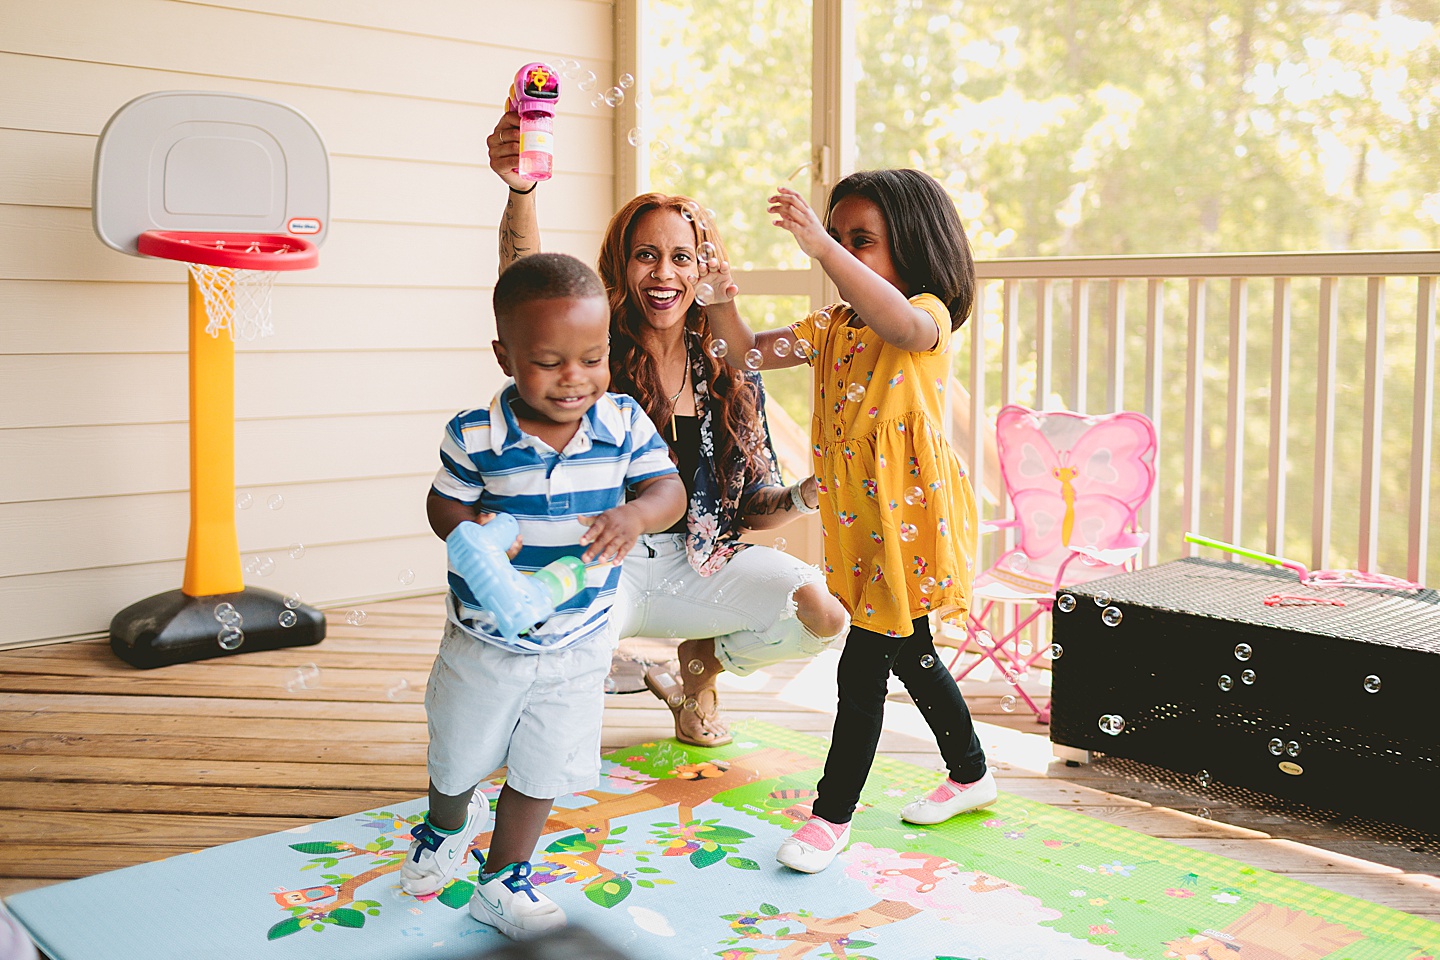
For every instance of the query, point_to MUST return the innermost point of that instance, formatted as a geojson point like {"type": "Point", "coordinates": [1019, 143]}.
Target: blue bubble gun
{"type": "Point", "coordinates": [516, 601]}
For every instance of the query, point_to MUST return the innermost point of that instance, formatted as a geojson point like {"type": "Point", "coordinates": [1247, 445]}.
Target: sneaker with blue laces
{"type": "Point", "coordinates": [435, 858]}
{"type": "Point", "coordinates": [508, 902]}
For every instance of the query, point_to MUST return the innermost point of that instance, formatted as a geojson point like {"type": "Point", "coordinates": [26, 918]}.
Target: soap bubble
{"type": "Point", "coordinates": [398, 688]}
{"type": "Point", "coordinates": [636, 136]}
{"type": "Point", "coordinates": [675, 699]}
{"type": "Point", "coordinates": [243, 501]}
{"type": "Point", "coordinates": [1225, 683]}
{"type": "Point", "coordinates": [782, 347]}
{"type": "Point", "coordinates": [803, 349]}
{"type": "Point", "coordinates": [658, 147]}
{"type": "Point", "coordinates": [927, 585]}
{"type": "Point", "coordinates": [706, 252]}
{"type": "Point", "coordinates": [914, 495]}
{"type": "Point", "coordinates": [597, 101]}
{"type": "Point", "coordinates": [691, 703]}
{"type": "Point", "coordinates": [1102, 599]}
{"type": "Point", "coordinates": [696, 666]}
{"type": "Point", "coordinates": [1111, 617]}
{"type": "Point", "coordinates": [753, 359]}
{"type": "Point", "coordinates": [292, 601]}
{"type": "Point", "coordinates": [276, 502]}
{"type": "Point", "coordinates": [1054, 652]}
{"type": "Point", "coordinates": [927, 661]}
{"type": "Point", "coordinates": [1242, 651]}
{"type": "Point", "coordinates": [1007, 704]}
{"type": "Point", "coordinates": [587, 81]}
{"type": "Point", "coordinates": [230, 637]}
{"type": "Point", "coordinates": [356, 617]}
{"type": "Point", "coordinates": [297, 550]}
{"type": "Point", "coordinates": [627, 81]}
{"type": "Point", "coordinates": [1018, 562]}
{"type": "Point", "coordinates": [1277, 746]}
{"type": "Point", "coordinates": [1247, 677]}
{"type": "Point", "coordinates": [718, 348]}
{"type": "Point", "coordinates": [908, 532]}
{"type": "Point", "coordinates": [226, 612]}
{"type": "Point", "coordinates": [822, 319]}
{"type": "Point", "coordinates": [855, 393]}
{"type": "Point", "coordinates": [614, 97]}
{"type": "Point", "coordinates": [1292, 749]}
{"type": "Point", "coordinates": [1203, 813]}
{"type": "Point", "coordinates": [1012, 678]}
{"type": "Point", "coordinates": [264, 566]}
{"type": "Point", "coordinates": [781, 544]}
{"type": "Point", "coordinates": [672, 172]}
{"type": "Point", "coordinates": [406, 577]}
{"type": "Point", "coordinates": [1203, 778]}
{"type": "Point", "coordinates": [689, 211]}
{"type": "Point", "coordinates": [1372, 684]}
{"type": "Point", "coordinates": [1065, 603]}
{"type": "Point", "coordinates": [704, 293]}
{"type": "Point", "coordinates": [1112, 723]}
{"type": "Point", "coordinates": [288, 618]}
{"type": "Point", "coordinates": [985, 639]}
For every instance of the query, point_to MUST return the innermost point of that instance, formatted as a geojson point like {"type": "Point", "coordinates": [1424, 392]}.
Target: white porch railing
{"type": "Point", "coordinates": [1340, 399]}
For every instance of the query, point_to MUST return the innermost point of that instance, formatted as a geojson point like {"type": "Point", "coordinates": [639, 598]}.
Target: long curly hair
{"type": "Point", "coordinates": [736, 416]}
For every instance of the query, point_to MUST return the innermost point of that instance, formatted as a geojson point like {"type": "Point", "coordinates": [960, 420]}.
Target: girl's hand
{"type": "Point", "coordinates": [717, 274]}
{"type": "Point", "coordinates": [612, 533]}
{"type": "Point", "coordinates": [504, 146]}
{"type": "Point", "coordinates": [794, 214]}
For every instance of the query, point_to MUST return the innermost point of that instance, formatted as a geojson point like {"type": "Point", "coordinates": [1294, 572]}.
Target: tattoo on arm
{"type": "Point", "coordinates": [514, 244]}
{"type": "Point", "coordinates": [769, 500]}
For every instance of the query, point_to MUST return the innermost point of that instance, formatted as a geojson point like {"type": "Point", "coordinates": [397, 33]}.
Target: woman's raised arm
{"type": "Point", "coordinates": [519, 225]}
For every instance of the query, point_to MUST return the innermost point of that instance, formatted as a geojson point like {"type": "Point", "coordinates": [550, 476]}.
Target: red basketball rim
{"type": "Point", "coordinates": [241, 251]}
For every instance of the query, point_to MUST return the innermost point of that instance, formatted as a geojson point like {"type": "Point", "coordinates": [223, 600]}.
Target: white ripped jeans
{"type": "Point", "coordinates": [748, 605]}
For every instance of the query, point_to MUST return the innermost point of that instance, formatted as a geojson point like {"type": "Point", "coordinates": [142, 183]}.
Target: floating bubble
{"type": "Point", "coordinates": [483, 620]}
{"type": "Point", "coordinates": [243, 501]}
{"type": "Point", "coordinates": [672, 172]}
{"type": "Point", "coordinates": [822, 319]}
{"type": "Point", "coordinates": [1012, 678]}
{"type": "Point", "coordinates": [1292, 749]}
{"type": "Point", "coordinates": [224, 612]}
{"type": "Point", "coordinates": [400, 685]}
{"type": "Point", "coordinates": [1025, 648]}
{"type": "Point", "coordinates": [636, 136]}
{"type": "Point", "coordinates": [587, 81]}
{"type": "Point", "coordinates": [597, 101]}
{"type": "Point", "coordinates": [927, 585]}
{"type": "Point", "coordinates": [1102, 599]}
{"type": "Point", "coordinates": [357, 617]}
{"type": "Point", "coordinates": [276, 502]}
{"type": "Point", "coordinates": [855, 393]}
{"type": "Point", "coordinates": [689, 210]}
{"type": "Point", "coordinates": [609, 685]}
{"type": "Point", "coordinates": [626, 81]}
{"type": "Point", "coordinates": [706, 252]}
{"type": "Point", "coordinates": [704, 293]}
{"type": "Point", "coordinates": [984, 638]}
{"type": "Point", "coordinates": [1111, 617]}
{"type": "Point", "coordinates": [1242, 651]}
{"type": "Point", "coordinates": [753, 359]}
{"type": "Point", "coordinates": [1007, 704]}
{"type": "Point", "coordinates": [1113, 724]}
{"type": "Point", "coordinates": [914, 495]}
{"type": "Point", "coordinates": [1247, 677]}
{"type": "Point", "coordinates": [230, 637]}
{"type": "Point", "coordinates": [1054, 652]}
{"type": "Point", "coordinates": [1018, 562]}
{"type": "Point", "coordinates": [927, 661]}
{"type": "Point", "coordinates": [1065, 603]}
{"type": "Point", "coordinates": [696, 666]}
{"type": "Point", "coordinates": [1203, 778]}
{"type": "Point", "coordinates": [782, 347]}
{"type": "Point", "coordinates": [614, 97]}
{"type": "Point", "coordinates": [718, 348]}
{"type": "Point", "coordinates": [292, 601]}
{"type": "Point", "coordinates": [406, 577]}
{"type": "Point", "coordinates": [675, 699]}
{"type": "Point", "coordinates": [1372, 684]}
{"type": "Point", "coordinates": [803, 349]}
{"type": "Point", "coordinates": [264, 566]}
{"type": "Point", "coordinates": [691, 703]}
{"type": "Point", "coordinates": [297, 550]}
{"type": "Point", "coordinates": [908, 532]}
{"type": "Point", "coordinates": [781, 544]}
{"type": "Point", "coordinates": [288, 618]}
{"type": "Point", "coordinates": [660, 147]}
{"type": "Point", "coordinates": [1277, 746]}
{"type": "Point", "coordinates": [1203, 813]}
{"type": "Point", "coordinates": [1225, 683]}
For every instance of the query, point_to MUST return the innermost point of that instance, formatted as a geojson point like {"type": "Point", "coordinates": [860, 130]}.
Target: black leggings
{"type": "Point", "coordinates": [863, 676]}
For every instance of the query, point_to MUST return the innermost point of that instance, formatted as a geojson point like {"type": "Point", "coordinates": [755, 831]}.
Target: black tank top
{"type": "Point", "coordinates": [686, 445]}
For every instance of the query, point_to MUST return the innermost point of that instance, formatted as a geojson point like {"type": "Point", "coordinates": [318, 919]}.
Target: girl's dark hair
{"type": "Point", "coordinates": [927, 242]}
{"type": "Point", "coordinates": [739, 429]}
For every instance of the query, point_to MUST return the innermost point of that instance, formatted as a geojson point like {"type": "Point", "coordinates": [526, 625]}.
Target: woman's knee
{"type": "Point", "coordinates": [822, 614]}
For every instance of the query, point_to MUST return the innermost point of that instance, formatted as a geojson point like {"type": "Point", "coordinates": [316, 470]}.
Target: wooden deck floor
{"type": "Point", "coordinates": [103, 766]}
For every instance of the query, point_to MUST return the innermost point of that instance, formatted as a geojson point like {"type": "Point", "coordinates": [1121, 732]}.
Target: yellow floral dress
{"type": "Point", "coordinates": [896, 507]}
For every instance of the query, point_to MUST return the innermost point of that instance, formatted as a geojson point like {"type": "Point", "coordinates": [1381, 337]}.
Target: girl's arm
{"type": "Point", "coordinates": [726, 324]}
{"type": "Point", "coordinates": [883, 307]}
{"type": "Point", "coordinates": [519, 226]}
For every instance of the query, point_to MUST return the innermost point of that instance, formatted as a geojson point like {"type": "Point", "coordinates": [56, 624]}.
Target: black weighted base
{"type": "Point", "coordinates": [173, 627]}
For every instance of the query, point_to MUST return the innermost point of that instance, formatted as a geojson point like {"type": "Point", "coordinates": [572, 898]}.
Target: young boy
{"type": "Point", "coordinates": [557, 452]}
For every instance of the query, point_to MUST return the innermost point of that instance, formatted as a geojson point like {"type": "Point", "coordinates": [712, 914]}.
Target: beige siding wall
{"type": "Point", "coordinates": [340, 412]}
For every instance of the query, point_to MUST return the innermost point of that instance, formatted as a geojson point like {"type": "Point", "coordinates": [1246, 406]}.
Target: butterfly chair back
{"type": "Point", "coordinates": [1076, 483]}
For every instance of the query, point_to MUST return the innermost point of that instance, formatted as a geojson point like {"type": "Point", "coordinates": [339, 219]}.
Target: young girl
{"type": "Point", "coordinates": [897, 510]}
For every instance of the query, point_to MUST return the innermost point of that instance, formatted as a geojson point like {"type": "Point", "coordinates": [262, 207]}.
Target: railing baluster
{"type": "Point", "coordinates": [1009, 365]}
{"type": "Point", "coordinates": [1044, 337]}
{"type": "Point", "coordinates": [1194, 421]}
{"type": "Point", "coordinates": [1329, 327]}
{"type": "Point", "coordinates": [978, 427]}
{"type": "Point", "coordinates": [1235, 412]}
{"type": "Point", "coordinates": [1422, 424]}
{"type": "Point", "coordinates": [1079, 342]}
{"type": "Point", "coordinates": [1115, 390]}
{"type": "Point", "coordinates": [1279, 419]}
{"type": "Point", "coordinates": [1371, 428]}
{"type": "Point", "coordinates": [1154, 396]}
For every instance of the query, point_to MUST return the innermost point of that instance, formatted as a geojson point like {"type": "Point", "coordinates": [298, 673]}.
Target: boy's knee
{"type": "Point", "coordinates": [821, 613]}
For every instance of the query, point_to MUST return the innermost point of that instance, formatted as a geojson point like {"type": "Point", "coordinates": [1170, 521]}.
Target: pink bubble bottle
{"type": "Point", "coordinates": [536, 91]}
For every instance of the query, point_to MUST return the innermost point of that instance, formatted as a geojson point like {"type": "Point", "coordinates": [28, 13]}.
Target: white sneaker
{"type": "Point", "coordinates": [951, 799]}
{"type": "Point", "coordinates": [435, 857]}
{"type": "Point", "coordinates": [814, 846]}
{"type": "Point", "coordinates": [514, 907]}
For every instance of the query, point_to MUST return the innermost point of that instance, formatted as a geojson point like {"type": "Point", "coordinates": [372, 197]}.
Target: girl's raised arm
{"type": "Point", "coordinates": [884, 307]}
{"type": "Point", "coordinates": [726, 323]}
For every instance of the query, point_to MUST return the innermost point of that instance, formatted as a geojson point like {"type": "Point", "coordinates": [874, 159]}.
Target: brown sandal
{"type": "Point", "coordinates": [697, 718]}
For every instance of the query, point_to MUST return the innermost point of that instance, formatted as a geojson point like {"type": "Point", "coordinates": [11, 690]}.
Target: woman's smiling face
{"type": "Point", "coordinates": [661, 270]}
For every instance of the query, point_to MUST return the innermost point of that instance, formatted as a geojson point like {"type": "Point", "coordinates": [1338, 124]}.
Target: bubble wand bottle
{"type": "Point", "coordinates": [534, 95]}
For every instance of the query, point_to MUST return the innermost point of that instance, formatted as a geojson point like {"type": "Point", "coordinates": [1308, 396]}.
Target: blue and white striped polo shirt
{"type": "Point", "coordinates": [487, 458]}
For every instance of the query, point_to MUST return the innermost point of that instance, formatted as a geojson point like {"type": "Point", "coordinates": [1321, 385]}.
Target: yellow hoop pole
{"type": "Point", "coordinates": [212, 556]}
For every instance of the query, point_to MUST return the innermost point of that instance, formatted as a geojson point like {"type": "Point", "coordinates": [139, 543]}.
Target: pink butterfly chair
{"type": "Point", "coordinates": [1076, 483]}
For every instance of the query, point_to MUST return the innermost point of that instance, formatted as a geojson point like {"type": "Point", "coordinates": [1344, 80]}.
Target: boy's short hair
{"type": "Point", "coordinates": [542, 276]}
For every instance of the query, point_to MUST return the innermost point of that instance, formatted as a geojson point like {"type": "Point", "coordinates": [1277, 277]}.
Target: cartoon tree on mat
{"type": "Point", "coordinates": [1267, 932]}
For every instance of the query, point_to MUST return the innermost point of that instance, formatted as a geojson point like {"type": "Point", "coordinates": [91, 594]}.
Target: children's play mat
{"type": "Point", "coordinates": [672, 856]}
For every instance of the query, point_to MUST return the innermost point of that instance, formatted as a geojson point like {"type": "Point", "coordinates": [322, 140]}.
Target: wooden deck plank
{"type": "Point", "coordinates": [182, 800]}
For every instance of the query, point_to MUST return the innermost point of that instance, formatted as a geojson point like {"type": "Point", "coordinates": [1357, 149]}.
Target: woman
{"type": "Point", "coordinates": [736, 606]}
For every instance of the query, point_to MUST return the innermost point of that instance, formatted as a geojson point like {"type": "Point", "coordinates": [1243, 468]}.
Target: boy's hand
{"type": "Point", "coordinates": [484, 518]}
{"type": "Point", "coordinates": [717, 274]}
{"type": "Point", "coordinates": [612, 533]}
{"type": "Point", "coordinates": [504, 147]}
{"type": "Point", "coordinates": [794, 214]}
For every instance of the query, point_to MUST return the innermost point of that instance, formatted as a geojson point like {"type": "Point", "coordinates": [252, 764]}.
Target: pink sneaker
{"type": "Point", "coordinates": [811, 848]}
{"type": "Point", "coordinates": [951, 799]}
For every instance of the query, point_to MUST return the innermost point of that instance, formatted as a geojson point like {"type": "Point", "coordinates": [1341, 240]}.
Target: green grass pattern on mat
{"type": "Point", "coordinates": [1113, 886]}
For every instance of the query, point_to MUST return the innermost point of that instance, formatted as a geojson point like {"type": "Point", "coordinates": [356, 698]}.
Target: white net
{"type": "Point", "coordinates": [235, 300]}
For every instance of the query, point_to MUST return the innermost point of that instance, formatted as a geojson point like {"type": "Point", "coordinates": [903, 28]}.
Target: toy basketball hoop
{"type": "Point", "coordinates": [234, 273]}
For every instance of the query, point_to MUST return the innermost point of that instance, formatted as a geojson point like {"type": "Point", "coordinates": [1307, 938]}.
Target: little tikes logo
{"type": "Point", "coordinates": [303, 225]}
